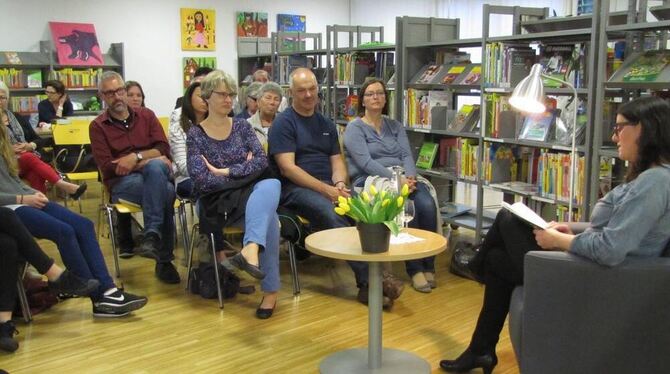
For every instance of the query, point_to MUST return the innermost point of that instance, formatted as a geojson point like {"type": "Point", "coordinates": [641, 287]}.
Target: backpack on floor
{"type": "Point", "coordinates": [203, 282]}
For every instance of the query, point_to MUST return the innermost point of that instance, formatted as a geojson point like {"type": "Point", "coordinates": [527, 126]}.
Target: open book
{"type": "Point", "coordinates": [525, 213]}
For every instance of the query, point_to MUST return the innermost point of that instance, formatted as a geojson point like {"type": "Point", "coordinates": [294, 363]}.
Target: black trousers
{"type": "Point", "coordinates": [16, 246]}
{"type": "Point", "coordinates": [504, 247]}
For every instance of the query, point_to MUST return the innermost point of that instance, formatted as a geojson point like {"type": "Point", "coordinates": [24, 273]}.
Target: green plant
{"type": "Point", "coordinates": [373, 206]}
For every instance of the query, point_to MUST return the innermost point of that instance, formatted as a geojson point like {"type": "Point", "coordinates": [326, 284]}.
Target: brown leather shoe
{"type": "Point", "coordinates": [392, 285]}
{"type": "Point", "coordinates": [362, 297]}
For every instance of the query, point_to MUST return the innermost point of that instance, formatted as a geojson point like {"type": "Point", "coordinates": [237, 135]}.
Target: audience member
{"type": "Point", "coordinates": [250, 100]}
{"type": "Point", "coordinates": [374, 143]}
{"type": "Point", "coordinates": [18, 246]}
{"type": "Point", "coordinates": [133, 154]}
{"type": "Point", "coordinates": [198, 76]}
{"type": "Point", "coordinates": [56, 105]}
{"type": "Point", "coordinates": [305, 146]}
{"type": "Point", "coordinates": [633, 219]}
{"type": "Point", "coordinates": [73, 234]}
{"type": "Point", "coordinates": [135, 94]}
{"type": "Point", "coordinates": [269, 98]}
{"type": "Point", "coordinates": [36, 142]}
{"type": "Point", "coordinates": [229, 169]}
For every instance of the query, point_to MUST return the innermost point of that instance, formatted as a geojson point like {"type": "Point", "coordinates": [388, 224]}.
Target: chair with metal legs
{"type": "Point", "coordinates": [23, 298]}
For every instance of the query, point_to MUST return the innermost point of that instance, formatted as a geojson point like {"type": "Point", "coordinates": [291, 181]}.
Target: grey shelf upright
{"type": "Point", "coordinates": [354, 38]}
{"type": "Point", "coordinates": [252, 53]}
{"type": "Point", "coordinates": [636, 31]}
{"type": "Point", "coordinates": [301, 44]}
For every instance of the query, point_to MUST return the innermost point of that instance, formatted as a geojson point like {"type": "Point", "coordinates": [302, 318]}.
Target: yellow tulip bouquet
{"type": "Point", "coordinates": [374, 206]}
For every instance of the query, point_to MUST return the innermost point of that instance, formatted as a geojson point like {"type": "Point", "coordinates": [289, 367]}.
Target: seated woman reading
{"type": "Point", "coordinates": [227, 163]}
{"type": "Point", "coordinates": [631, 220]}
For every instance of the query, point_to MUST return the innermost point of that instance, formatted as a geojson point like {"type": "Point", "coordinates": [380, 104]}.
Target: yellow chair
{"type": "Point", "coordinates": [165, 124]}
{"type": "Point", "coordinates": [74, 133]}
{"type": "Point", "coordinates": [129, 207]}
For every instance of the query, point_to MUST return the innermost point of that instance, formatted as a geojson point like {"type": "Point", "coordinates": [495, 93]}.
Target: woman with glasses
{"type": "Point", "coordinates": [229, 171]}
{"type": "Point", "coordinates": [633, 219]}
{"type": "Point", "coordinates": [56, 105]}
{"type": "Point", "coordinates": [374, 143]}
{"type": "Point", "coordinates": [31, 167]}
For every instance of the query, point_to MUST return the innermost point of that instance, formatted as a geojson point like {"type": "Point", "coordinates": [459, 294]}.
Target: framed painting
{"type": "Point", "coordinates": [252, 24]}
{"type": "Point", "coordinates": [191, 64]}
{"type": "Point", "coordinates": [76, 43]}
{"type": "Point", "coordinates": [291, 22]}
{"type": "Point", "coordinates": [198, 29]}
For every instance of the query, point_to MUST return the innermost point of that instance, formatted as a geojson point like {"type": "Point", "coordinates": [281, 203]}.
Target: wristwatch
{"type": "Point", "coordinates": [139, 156]}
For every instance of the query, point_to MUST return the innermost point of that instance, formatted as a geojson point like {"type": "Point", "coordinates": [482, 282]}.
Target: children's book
{"type": "Point", "coordinates": [472, 77]}
{"type": "Point", "coordinates": [427, 155]}
{"type": "Point", "coordinates": [647, 67]}
{"type": "Point", "coordinates": [427, 74]}
{"type": "Point", "coordinates": [453, 73]}
{"type": "Point", "coordinates": [537, 126]}
{"type": "Point", "coordinates": [13, 58]}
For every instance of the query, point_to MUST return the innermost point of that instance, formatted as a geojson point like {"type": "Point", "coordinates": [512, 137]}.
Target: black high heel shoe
{"type": "Point", "coordinates": [80, 191]}
{"type": "Point", "coordinates": [468, 361]}
{"type": "Point", "coordinates": [262, 313]}
{"type": "Point", "coordinates": [241, 263]}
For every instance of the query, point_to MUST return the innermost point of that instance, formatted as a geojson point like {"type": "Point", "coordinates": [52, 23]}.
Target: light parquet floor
{"type": "Point", "coordinates": [182, 333]}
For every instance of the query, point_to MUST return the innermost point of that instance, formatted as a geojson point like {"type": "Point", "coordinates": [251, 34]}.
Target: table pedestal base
{"type": "Point", "coordinates": [355, 361]}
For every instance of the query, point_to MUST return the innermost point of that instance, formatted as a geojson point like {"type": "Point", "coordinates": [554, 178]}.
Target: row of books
{"type": "Point", "coordinates": [354, 68]}
{"type": "Point", "coordinates": [21, 78]}
{"type": "Point", "coordinates": [25, 104]}
{"type": "Point", "coordinates": [289, 63]}
{"type": "Point", "coordinates": [449, 74]}
{"type": "Point", "coordinates": [508, 64]}
{"type": "Point", "coordinates": [419, 104]}
{"type": "Point", "coordinates": [78, 78]}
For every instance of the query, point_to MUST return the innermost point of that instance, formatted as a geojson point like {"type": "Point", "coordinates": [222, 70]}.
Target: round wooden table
{"type": "Point", "coordinates": [343, 243]}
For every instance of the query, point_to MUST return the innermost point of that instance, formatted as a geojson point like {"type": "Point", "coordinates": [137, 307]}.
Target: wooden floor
{"type": "Point", "coordinates": [182, 333]}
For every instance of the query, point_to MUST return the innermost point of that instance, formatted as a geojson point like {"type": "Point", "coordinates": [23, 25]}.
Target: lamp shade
{"type": "Point", "coordinates": [528, 95]}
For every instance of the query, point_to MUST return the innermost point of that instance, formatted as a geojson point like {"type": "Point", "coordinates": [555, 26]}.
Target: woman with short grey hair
{"type": "Point", "coordinates": [250, 100]}
{"type": "Point", "coordinates": [269, 98]}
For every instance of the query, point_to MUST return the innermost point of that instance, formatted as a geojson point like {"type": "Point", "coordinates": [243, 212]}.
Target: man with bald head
{"type": "Point", "coordinates": [306, 150]}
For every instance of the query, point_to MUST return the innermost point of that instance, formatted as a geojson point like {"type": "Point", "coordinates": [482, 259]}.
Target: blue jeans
{"type": "Point", "coordinates": [75, 238]}
{"type": "Point", "coordinates": [152, 188]}
{"type": "Point", "coordinates": [425, 218]}
{"type": "Point", "coordinates": [319, 211]}
{"type": "Point", "coordinates": [261, 226]}
{"type": "Point", "coordinates": [185, 188]}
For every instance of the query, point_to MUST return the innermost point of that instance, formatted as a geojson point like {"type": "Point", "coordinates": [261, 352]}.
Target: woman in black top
{"type": "Point", "coordinates": [56, 105]}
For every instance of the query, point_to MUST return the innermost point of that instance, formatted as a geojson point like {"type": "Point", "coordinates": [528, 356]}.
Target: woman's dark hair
{"type": "Point", "coordinates": [653, 146]}
{"type": "Point", "coordinates": [202, 18]}
{"type": "Point", "coordinates": [360, 109]}
{"type": "Point", "coordinates": [187, 118]}
{"type": "Point", "coordinates": [136, 84]}
{"type": "Point", "coordinates": [57, 85]}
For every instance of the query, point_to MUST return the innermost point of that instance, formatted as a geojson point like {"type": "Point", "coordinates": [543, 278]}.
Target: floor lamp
{"type": "Point", "coordinates": [528, 96]}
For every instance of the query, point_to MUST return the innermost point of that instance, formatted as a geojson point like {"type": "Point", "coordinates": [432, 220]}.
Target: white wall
{"type": "Point", "coordinates": [150, 32]}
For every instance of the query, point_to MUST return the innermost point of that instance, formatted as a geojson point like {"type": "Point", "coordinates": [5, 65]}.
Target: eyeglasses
{"type": "Point", "coordinates": [50, 92]}
{"type": "Point", "coordinates": [225, 95]}
{"type": "Point", "coordinates": [3, 98]}
{"type": "Point", "coordinates": [373, 94]}
{"type": "Point", "coordinates": [111, 93]}
{"type": "Point", "coordinates": [618, 126]}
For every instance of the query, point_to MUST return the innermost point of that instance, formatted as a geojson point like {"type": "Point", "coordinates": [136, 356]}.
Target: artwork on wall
{"type": "Point", "coordinates": [191, 64]}
{"type": "Point", "coordinates": [252, 24]}
{"type": "Point", "coordinates": [294, 23]}
{"type": "Point", "coordinates": [76, 43]}
{"type": "Point", "coordinates": [291, 22]}
{"type": "Point", "coordinates": [198, 29]}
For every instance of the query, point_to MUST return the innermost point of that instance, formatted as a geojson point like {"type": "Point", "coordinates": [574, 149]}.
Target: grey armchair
{"type": "Point", "coordinates": [574, 316]}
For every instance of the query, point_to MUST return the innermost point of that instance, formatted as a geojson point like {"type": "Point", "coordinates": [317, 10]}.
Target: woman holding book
{"type": "Point", "coordinates": [374, 143]}
{"type": "Point", "coordinates": [642, 136]}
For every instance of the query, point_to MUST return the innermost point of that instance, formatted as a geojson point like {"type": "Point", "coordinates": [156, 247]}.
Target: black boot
{"type": "Point", "coordinates": [468, 361]}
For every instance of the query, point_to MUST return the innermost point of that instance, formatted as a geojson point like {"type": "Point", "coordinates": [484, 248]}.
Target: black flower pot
{"type": "Point", "coordinates": [375, 237]}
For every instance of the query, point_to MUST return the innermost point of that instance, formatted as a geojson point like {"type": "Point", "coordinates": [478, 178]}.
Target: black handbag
{"type": "Point", "coordinates": [74, 159]}
{"type": "Point", "coordinates": [467, 261]}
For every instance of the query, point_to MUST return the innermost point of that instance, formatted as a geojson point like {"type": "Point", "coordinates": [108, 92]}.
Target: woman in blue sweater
{"type": "Point", "coordinates": [223, 153]}
{"type": "Point", "coordinates": [631, 220]}
{"type": "Point", "coordinates": [373, 144]}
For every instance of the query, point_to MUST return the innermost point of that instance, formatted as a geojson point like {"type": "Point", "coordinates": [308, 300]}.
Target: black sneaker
{"type": "Point", "coordinates": [167, 273]}
{"type": "Point", "coordinates": [118, 304]}
{"type": "Point", "coordinates": [126, 252]}
{"type": "Point", "coordinates": [7, 332]}
{"type": "Point", "coordinates": [150, 246]}
{"type": "Point", "coordinates": [70, 284]}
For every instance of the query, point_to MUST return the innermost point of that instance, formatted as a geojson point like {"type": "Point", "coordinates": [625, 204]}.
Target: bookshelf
{"type": "Point", "coordinates": [640, 35]}
{"type": "Point", "coordinates": [253, 53]}
{"type": "Point", "coordinates": [353, 54]}
{"type": "Point", "coordinates": [26, 72]}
